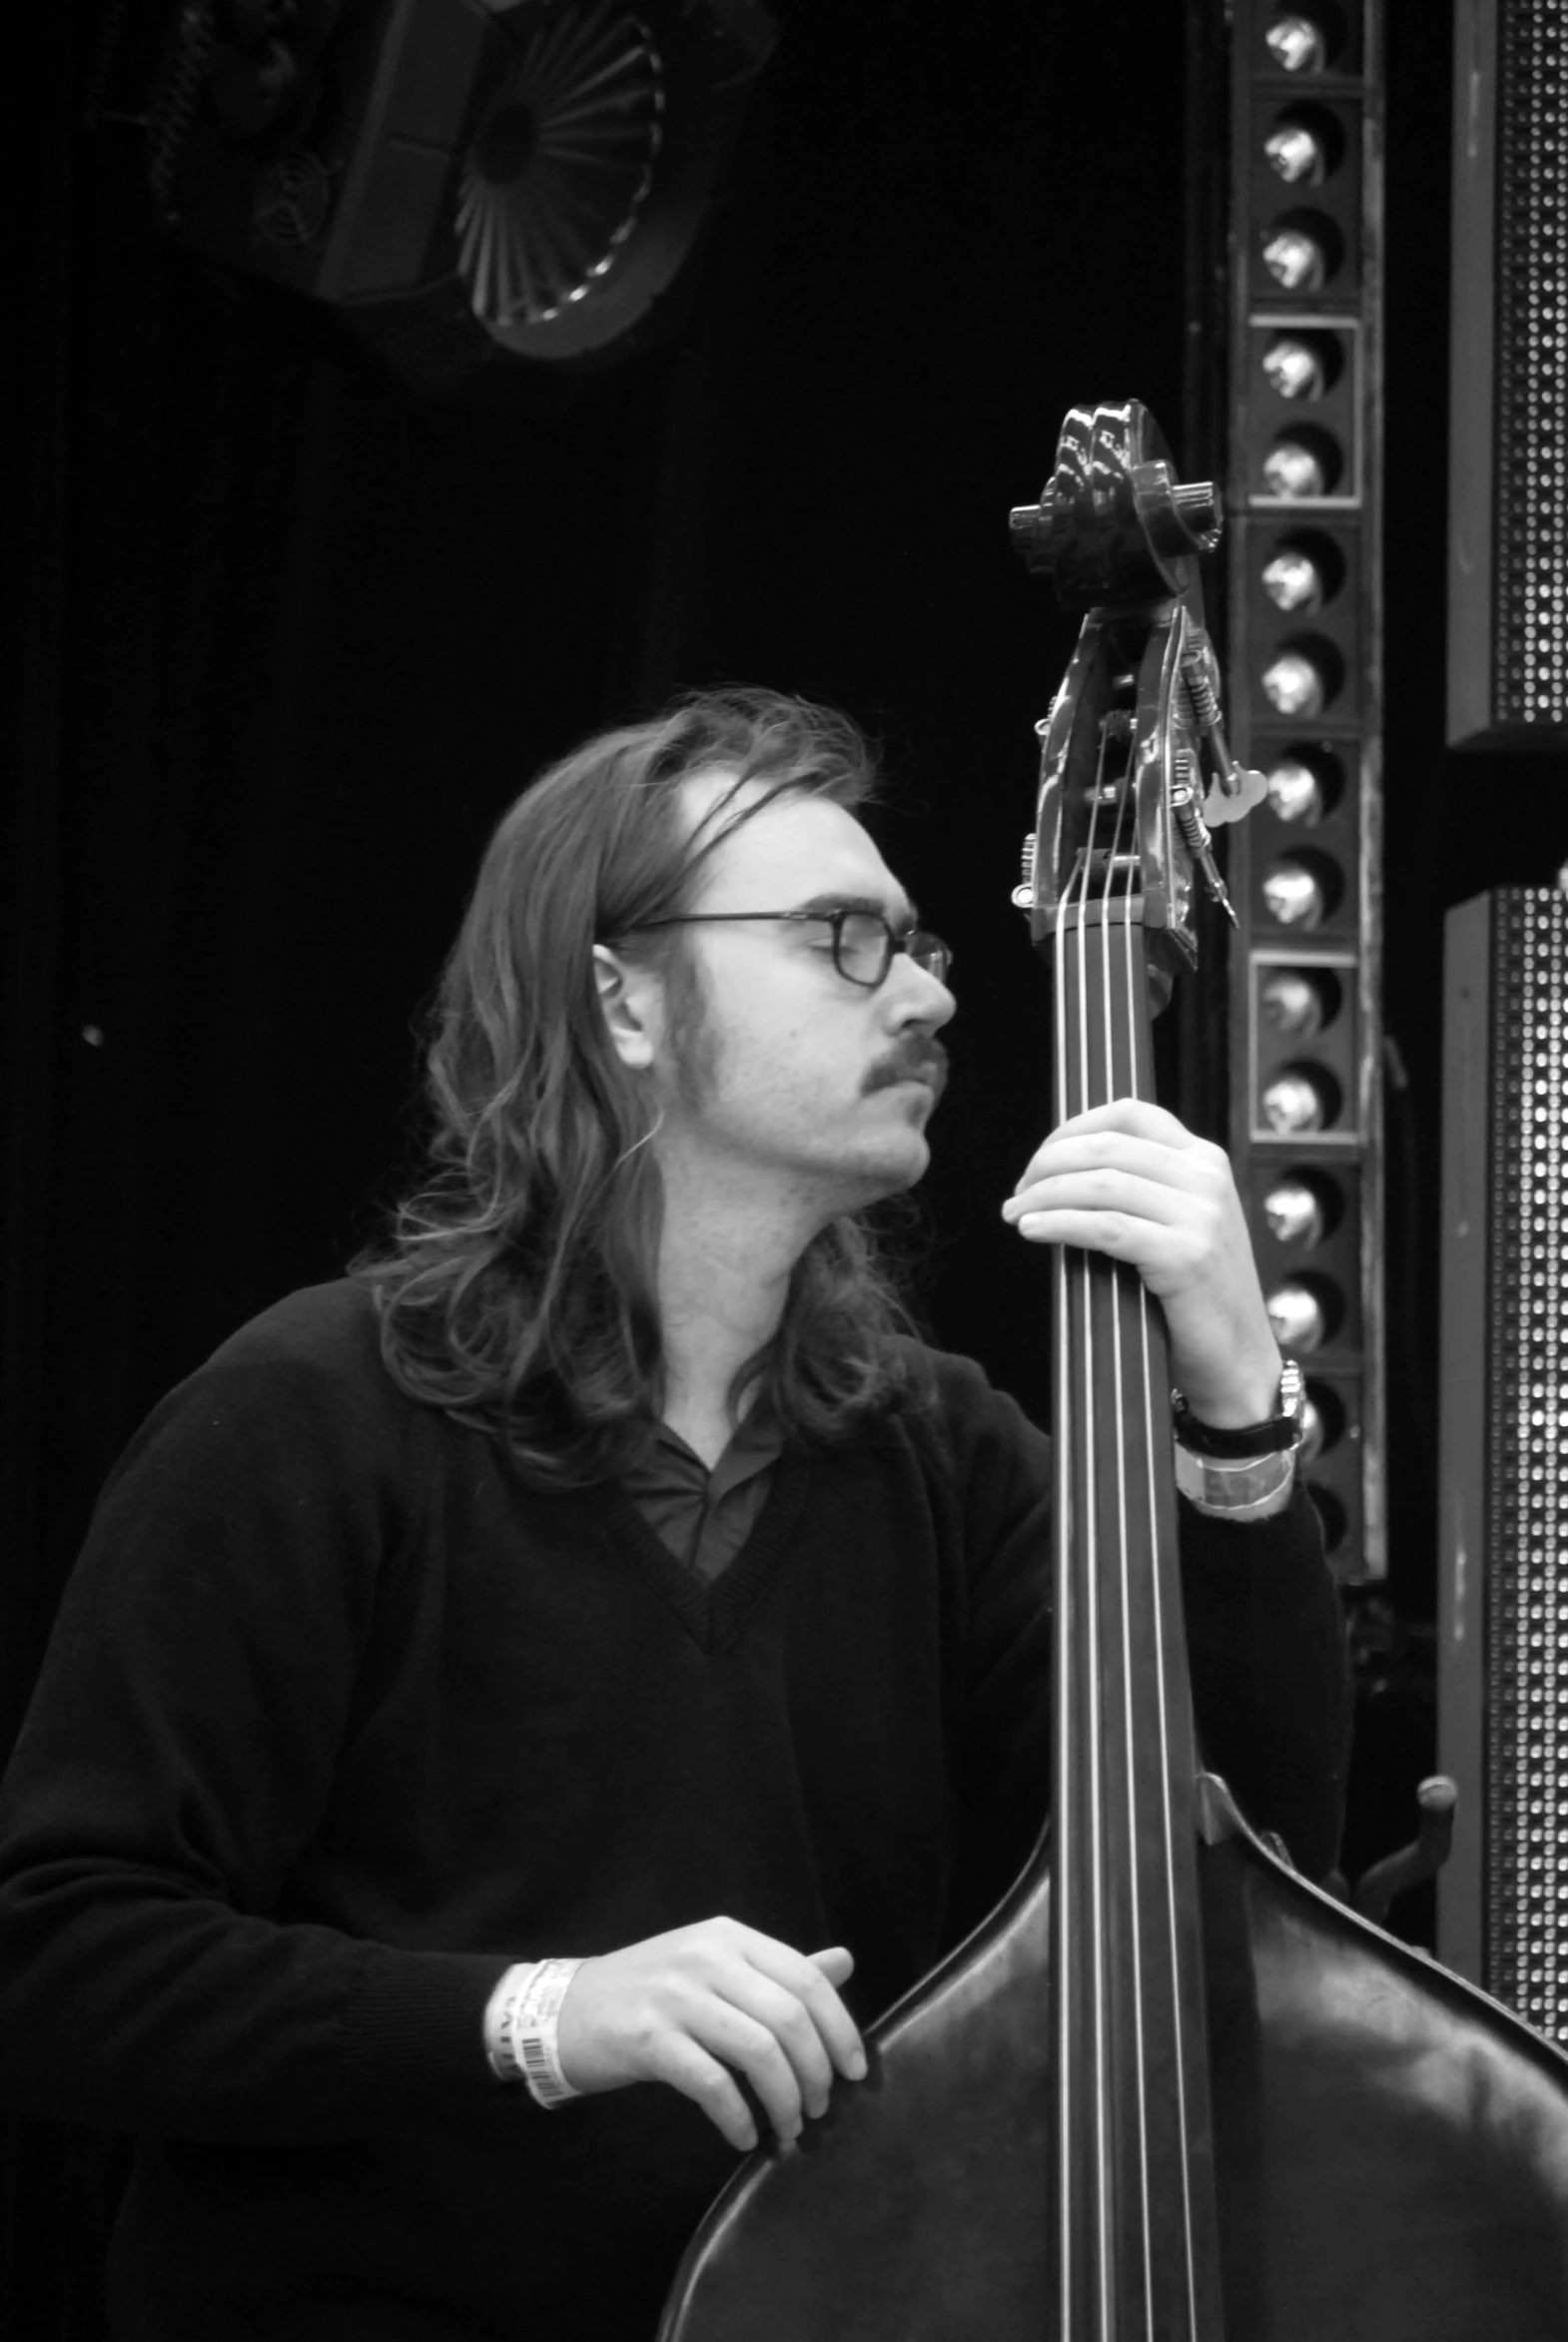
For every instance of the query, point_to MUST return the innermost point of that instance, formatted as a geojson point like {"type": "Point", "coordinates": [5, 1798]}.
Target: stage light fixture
{"type": "Point", "coordinates": [1297, 44]}
{"type": "Point", "coordinates": [1299, 792]}
{"type": "Point", "coordinates": [1297, 256]}
{"type": "Point", "coordinates": [1296, 152]}
{"type": "Point", "coordinates": [1304, 144]}
{"type": "Point", "coordinates": [1304, 1024]}
{"type": "Point", "coordinates": [1293, 579]}
{"type": "Point", "coordinates": [1298, 1001]}
{"type": "Point", "coordinates": [1304, 1311]}
{"type": "Point", "coordinates": [1296, 369]}
{"type": "Point", "coordinates": [1295, 684]}
{"type": "Point", "coordinates": [497, 194]}
{"type": "Point", "coordinates": [1294, 894]}
{"type": "Point", "coordinates": [560, 167]}
{"type": "Point", "coordinates": [1301, 889]}
{"type": "Point", "coordinates": [1300, 1099]}
{"type": "Point", "coordinates": [1302, 466]}
{"type": "Point", "coordinates": [1296, 1211]}
{"type": "Point", "coordinates": [1303, 579]}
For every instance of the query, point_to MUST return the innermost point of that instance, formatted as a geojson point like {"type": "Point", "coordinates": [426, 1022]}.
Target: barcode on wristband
{"type": "Point", "coordinates": [526, 2045]}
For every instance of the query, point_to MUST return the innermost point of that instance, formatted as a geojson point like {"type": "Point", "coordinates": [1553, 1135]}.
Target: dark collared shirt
{"type": "Point", "coordinates": [703, 1517]}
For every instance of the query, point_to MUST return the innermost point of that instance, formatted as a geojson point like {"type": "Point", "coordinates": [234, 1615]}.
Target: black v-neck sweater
{"type": "Point", "coordinates": [338, 1719]}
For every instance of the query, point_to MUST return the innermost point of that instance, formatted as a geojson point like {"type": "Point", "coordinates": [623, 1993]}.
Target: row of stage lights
{"type": "Point", "coordinates": [1301, 595]}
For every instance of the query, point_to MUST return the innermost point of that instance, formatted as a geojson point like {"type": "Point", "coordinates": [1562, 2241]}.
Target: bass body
{"type": "Point", "coordinates": [1390, 2148]}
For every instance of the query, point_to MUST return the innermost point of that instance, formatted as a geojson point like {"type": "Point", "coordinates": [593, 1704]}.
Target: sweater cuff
{"type": "Point", "coordinates": [413, 2030]}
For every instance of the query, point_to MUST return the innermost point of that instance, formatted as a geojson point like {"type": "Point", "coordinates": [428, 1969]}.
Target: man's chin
{"type": "Point", "coordinates": [896, 1172]}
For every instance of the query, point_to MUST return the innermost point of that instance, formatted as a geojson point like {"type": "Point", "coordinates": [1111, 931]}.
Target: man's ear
{"type": "Point", "coordinates": [631, 1001]}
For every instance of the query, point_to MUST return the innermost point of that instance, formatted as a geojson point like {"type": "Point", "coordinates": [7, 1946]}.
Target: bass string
{"type": "Point", "coordinates": [1063, 1885]}
{"type": "Point", "coordinates": [1103, 2101]}
{"type": "Point", "coordinates": [1089, 1689]}
{"type": "Point", "coordinates": [1073, 1685]}
{"type": "Point", "coordinates": [1124, 843]}
{"type": "Point", "coordinates": [1083, 1715]}
{"type": "Point", "coordinates": [1077, 1674]}
{"type": "Point", "coordinates": [1158, 1586]}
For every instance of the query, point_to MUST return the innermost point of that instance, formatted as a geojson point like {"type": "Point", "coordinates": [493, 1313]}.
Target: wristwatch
{"type": "Point", "coordinates": [1280, 1434]}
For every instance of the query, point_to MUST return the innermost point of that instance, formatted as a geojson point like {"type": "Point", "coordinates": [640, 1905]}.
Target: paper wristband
{"type": "Point", "coordinates": [520, 2028]}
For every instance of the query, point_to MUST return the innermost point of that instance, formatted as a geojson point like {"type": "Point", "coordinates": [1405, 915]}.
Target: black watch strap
{"type": "Point", "coordinates": [1281, 1432]}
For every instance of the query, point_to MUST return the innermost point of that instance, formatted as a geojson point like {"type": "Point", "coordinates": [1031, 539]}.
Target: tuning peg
{"type": "Point", "coordinates": [1183, 517]}
{"type": "Point", "coordinates": [1194, 835]}
{"type": "Point", "coordinates": [1223, 804]}
{"type": "Point", "coordinates": [1232, 792]}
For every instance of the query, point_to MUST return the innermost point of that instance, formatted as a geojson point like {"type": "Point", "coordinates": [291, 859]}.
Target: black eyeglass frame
{"type": "Point", "coordinates": [928, 950]}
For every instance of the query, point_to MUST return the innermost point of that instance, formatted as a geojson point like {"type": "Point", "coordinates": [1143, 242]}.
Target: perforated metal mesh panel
{"type": "Point", "coordinates": [1508, 377]}
{"type": "Point", "coordinates": [1527, 1469]}
{"type": "Point", "coordinates": [1530, 685]}
{"type": "Point", "coordinates": [1504, 1610]}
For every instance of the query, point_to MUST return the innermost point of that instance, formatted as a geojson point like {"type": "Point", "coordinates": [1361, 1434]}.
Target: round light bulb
{"type": "Point", "coordinates": [1294, 471]}
{"type": "Point", "coordinates": [1293, 893]}
{"type": "Point", "coordinates": [1297, 44]}
{"type": "Point", "coordinates": [1293, 368]}
{"type": "Point", "coordinates": [1291, 1105]}
{"type": "Point", "coordinates": [1296, 261]}
{"type": "Point", "coordinates": [1295, 1213]}
{"type": "Point", "coordinates": [1293, 1003]}
{"type": "Point", "coordinates": [1295, 685]}
{"type": "Point", "coordinates": [1293, 581]}
{"type": "Point", "coordinates": [1296, 793]}
{"type": "Point", "coordinates": [1297, 1316]}
{"type": "Point", "coordinates": [1295, 154]}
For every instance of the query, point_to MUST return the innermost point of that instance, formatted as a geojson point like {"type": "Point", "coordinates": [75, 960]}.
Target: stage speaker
{"type": "Point", "coordinates": [1503, 1591]}
{"type": "Point", "coordinates": [1508, 479]}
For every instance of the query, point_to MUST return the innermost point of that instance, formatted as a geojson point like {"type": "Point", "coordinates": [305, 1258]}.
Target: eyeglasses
{"type": "Point", "coordinates": [864, 945]}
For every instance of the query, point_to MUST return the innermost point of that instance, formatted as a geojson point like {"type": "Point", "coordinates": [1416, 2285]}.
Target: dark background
{"type": "Point", "coordinates": [291, 638]}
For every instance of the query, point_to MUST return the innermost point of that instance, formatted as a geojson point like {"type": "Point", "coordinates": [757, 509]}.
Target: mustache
{"type": "Point", "coordinates": [920, 1058]}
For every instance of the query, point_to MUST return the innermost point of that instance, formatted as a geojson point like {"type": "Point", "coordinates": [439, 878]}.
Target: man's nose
{"type": "Point", "coordinates": [918, 998]}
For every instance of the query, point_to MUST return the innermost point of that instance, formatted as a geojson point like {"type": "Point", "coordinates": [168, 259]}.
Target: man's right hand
{"type": "Point", "coordinates": [697, 2007]}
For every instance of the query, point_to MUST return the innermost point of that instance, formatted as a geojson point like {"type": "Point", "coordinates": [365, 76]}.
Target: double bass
{"type": "Point", "coordinates": [1168, 2090]}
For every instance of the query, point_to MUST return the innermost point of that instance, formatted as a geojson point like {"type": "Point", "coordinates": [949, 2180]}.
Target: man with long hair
{"type": "Point", "coordinates": [596, 1644]}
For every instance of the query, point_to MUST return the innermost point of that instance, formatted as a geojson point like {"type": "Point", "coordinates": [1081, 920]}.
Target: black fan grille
{"type": "Point", "coordinates": [561, 163]}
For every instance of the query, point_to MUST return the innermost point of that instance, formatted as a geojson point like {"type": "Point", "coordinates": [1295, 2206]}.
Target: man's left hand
{"type": "Point", "coordinates": [1130, 1180]}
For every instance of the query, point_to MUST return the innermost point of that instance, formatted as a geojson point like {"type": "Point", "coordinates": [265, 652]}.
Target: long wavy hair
{"type": "Point", "coordinates": [516, 1285]}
